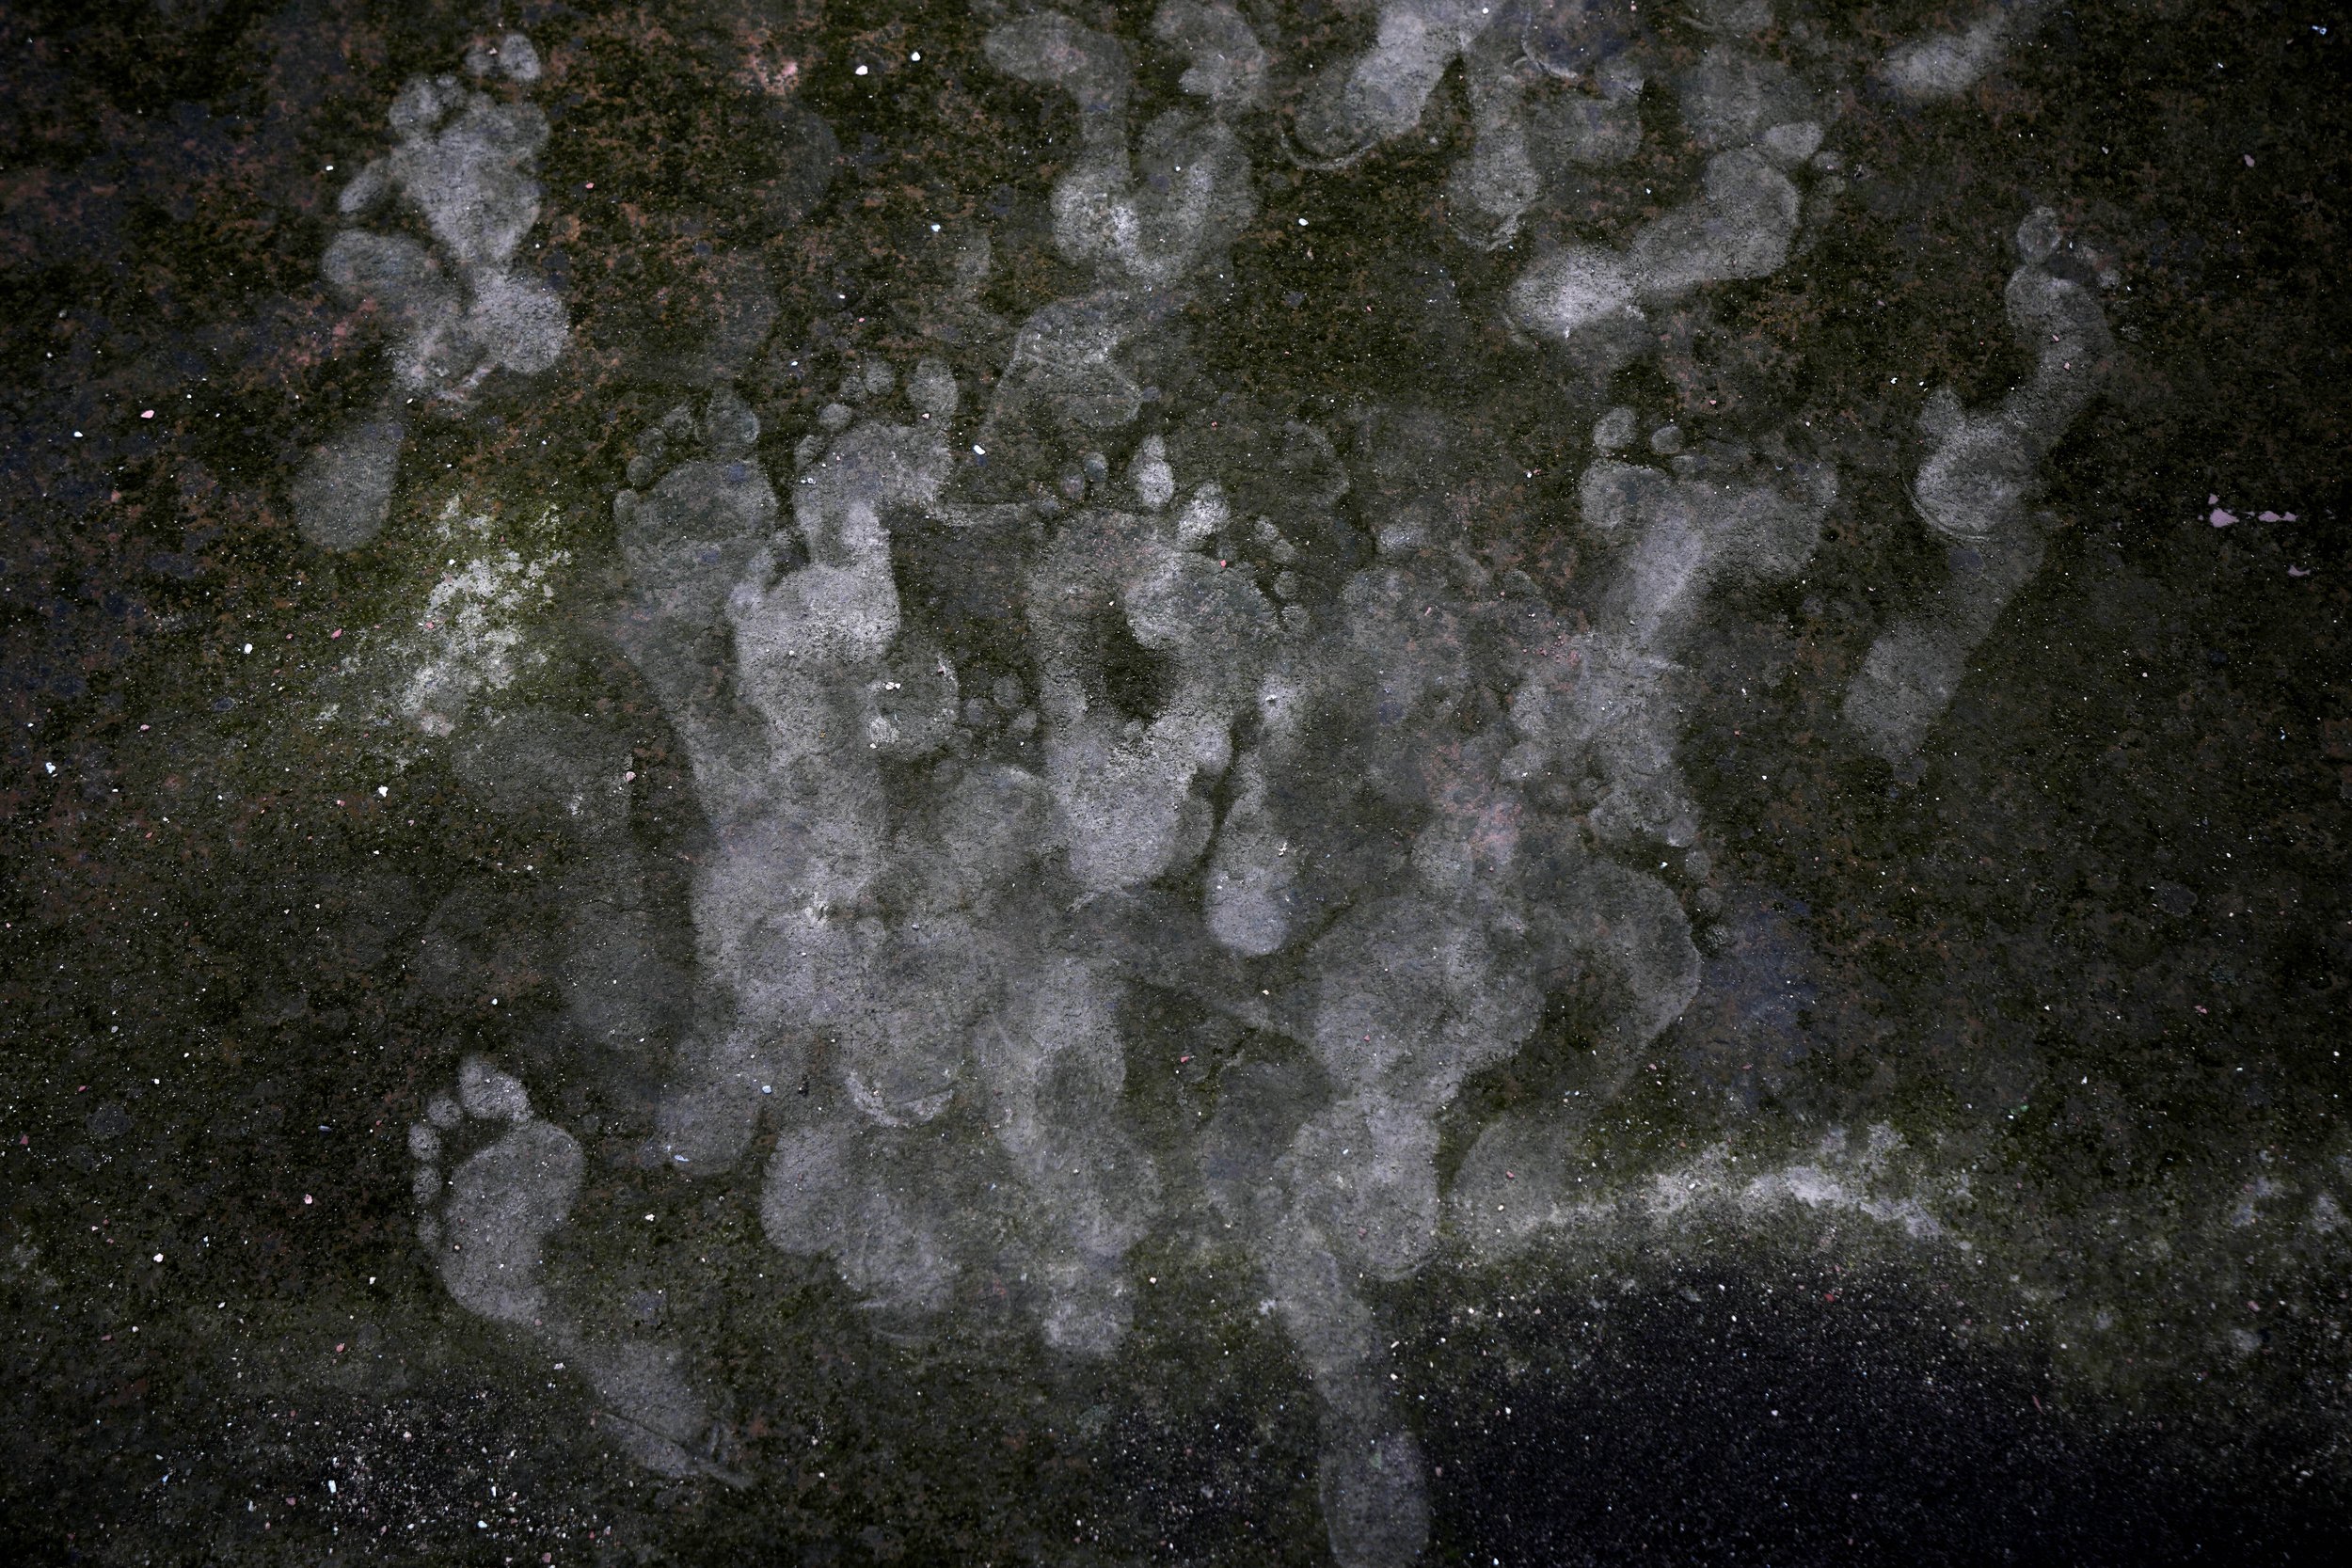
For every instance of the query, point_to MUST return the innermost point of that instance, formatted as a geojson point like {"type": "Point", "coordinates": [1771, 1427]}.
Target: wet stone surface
{"type": "Point", "coordinates": [1246, 782]}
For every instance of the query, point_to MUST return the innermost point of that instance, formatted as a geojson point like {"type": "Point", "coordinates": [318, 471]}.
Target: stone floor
{"type": "Point", "coordinates": [1352, 781]}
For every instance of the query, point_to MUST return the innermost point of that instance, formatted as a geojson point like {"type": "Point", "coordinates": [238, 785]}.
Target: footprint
{"type": "Point", "coordinates": [1381, 699]}
{"type": "Point", "coordinates": [1349, 111]}
{"type": "Point", "coordinates": [1763, 124]}
{"type": "Point", "coordinates": [486, 1225]}
{"type": "Point", "coordinates": [1947, 63]}
{"type": "Point", "coordinates": [1497, 182]}
{"type": "Point", "coordinates": [699, 511]}
{"type": "Point", "coordinates": [699, 520]}
{"type": "Point", "coordinates": [876, 1203]}
{"type": "Point", "coordinates": [834, 684]}
{"type": "Point", "coordinates": [1150, 649]}
{"type": "Point", "coordinates": [1141, 223]}
{"type": "Point", "coordinates": [1374, 1485]}
{"type": "Point", "coordinates": [545, 769]}
{"type": "Point", "coordinates": [464, 166]}
{"type": "Point", "coordinates": [1228, 66]}
{"type": "Point", "coordinates": [1976, 492]}
{"type": "Point", "coordinates": [343, 493]}
{"type": "Point", "coordinates": [1054, 1067]}
{"type": "Point", "coordinates": [1602, 703]}
{"type": "Point", "coordinates": [836, 616]}
{"type": "Point", "coordinates": [1524, 71]}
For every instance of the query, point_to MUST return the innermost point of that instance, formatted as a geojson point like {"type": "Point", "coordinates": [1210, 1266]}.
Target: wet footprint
{"type": "Point", "coordinates": [486, 1223]}
{"type": "Point", "coordinates": [464, 168]}
{"type": "Point", "coordinates": [699, 509]}
{"type": "Point", "coordinates": [1976, 493]}
{"type": "Point", "coordinates": [1150, 649]}
{"type": "Point", "coordinates": [487, 1226]}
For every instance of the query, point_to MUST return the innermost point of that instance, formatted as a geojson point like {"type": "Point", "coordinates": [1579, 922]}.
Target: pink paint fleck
{"type": "Point", "coordinates": [2250, 160]}
{"type": "Point", "coordinates": [2299, 571]}
{"type": "Point", "coordinates": [2221, 518]}
{"type": "Point", "coordinates": [147, 414]}
{"type": "Point", "coordinates": [2266, 517]}
{"type": "Point", "coordinates": [770, 71]}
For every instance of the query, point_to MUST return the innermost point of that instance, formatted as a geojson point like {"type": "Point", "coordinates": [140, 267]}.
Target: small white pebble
{"type": "Point", "coordinates": [861, 70]}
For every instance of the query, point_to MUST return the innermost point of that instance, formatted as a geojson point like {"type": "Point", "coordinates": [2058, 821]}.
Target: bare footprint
{"type": "Point", "coordinates": [486, 1225]}
{"type": "Point", "coordinates": [464, 169]}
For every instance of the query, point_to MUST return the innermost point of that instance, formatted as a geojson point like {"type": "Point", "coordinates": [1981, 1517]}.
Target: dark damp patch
{"type": "Point", "coordinates": [1832, 1414]}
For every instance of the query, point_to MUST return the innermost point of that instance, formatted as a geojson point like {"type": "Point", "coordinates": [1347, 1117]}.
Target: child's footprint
{"type": "Point", "coordinates": [465, 165]}
{"type": "Point", "coordinates": [486, 1225]}
{"type": "Point", "coordinates": [497, 1207]}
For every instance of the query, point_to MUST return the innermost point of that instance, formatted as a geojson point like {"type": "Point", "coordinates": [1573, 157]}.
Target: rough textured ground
{"type": "Point", "coordinates": [650, 811]}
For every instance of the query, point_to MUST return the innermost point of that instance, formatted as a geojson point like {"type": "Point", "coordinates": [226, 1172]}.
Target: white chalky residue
{"type": "Point", "coordinates": [470, 640]}
{"type": "Point", "coordinates": [936, 898]}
